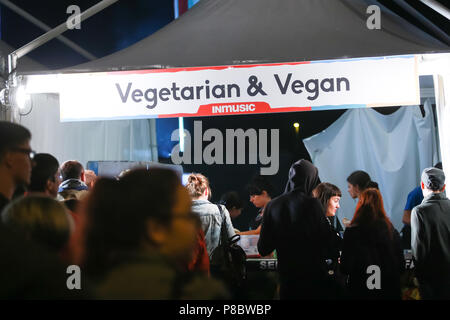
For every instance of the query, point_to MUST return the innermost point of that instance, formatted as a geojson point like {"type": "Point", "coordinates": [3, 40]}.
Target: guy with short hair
{"type": "Point", "coordinates": [73, 177]}
{"type": "Point", "coordinates": [15, 159]}
{"type": "Point", "coordinates": [45, 175]}
{"type": "Point", "coordinates": [27, 270]}
{"type": "Point", "coordinates": [430, 237]}
{"type": "Point", "coordinates": [261, 192]}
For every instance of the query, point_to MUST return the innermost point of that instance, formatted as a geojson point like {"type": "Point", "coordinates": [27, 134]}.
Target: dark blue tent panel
{"type": "Point", "coordinates": [226, 32]}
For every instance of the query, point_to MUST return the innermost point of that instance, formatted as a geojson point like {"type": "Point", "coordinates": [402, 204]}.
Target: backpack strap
{"type": "Point", "coordinates": [223, 230]}
{"type": "Point", "coordinates": [223, 236]}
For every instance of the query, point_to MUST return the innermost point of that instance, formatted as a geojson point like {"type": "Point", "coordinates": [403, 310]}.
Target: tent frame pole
{"type": "Point", "coordinates": [46, 28]}
{"type": "Point", "coordinates": [438, 33]}
{"type": "Point", "coordinates": [436, 6]}
{"type": "Point", "coordinates": [19, 53]}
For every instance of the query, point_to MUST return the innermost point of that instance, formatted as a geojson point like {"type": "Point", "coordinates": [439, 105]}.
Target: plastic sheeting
{"type": "Point", "coordinates": [120, 140]}
{"type": "Point", "coordinates": [393, 149]}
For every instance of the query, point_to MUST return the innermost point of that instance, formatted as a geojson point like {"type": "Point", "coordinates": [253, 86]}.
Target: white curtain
{"type": "Point", "coordinates": [393, 149]}
{"type": "Point", "coordinates": [442, 93]}
{"type": "Point", "coordinates": [118, 140]}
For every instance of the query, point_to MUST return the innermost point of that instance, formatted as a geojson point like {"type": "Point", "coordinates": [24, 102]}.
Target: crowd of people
{"type": "Point", "coordinates": [143, 235]}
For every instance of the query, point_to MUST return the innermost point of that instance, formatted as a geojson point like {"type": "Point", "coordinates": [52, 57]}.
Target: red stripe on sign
{"type": "Point", "coordinates": [182, 6]}
{"type": "Point", "coordinates": [205, 68]}
{"type": "Point", "coordinates": [224, 109]}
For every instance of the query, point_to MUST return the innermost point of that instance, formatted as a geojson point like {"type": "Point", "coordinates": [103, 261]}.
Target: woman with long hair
{"type": "Point", "coordinates": [371, 254]}
{"type": "Point", "coordinates": [358, 181]}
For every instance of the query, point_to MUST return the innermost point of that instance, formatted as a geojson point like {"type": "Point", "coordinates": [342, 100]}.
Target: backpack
{"type": "Point", "coordinates": [227, 261]}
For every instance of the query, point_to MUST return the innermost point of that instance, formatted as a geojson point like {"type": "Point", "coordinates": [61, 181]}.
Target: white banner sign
{"type": "Point", "coordinates": [243, 89]}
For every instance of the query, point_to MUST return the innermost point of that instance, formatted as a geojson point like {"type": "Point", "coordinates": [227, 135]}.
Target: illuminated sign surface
{"type": "Point", "coordinates": [242, 89]}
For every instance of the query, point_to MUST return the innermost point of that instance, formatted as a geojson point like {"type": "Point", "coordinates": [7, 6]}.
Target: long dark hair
{"type": "Point", "coordinates": [362, 180]}
{"type": "Point", "coordinates": [118, 211]}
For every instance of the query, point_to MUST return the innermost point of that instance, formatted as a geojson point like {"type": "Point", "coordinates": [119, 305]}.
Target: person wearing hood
{"type": "Point", "coordinates": [294, 225]}
{"type": "Point", "coordinates": [73, 177]}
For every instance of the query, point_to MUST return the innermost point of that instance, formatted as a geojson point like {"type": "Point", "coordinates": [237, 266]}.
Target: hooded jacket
{"type": "Point", "coordinates": [72, 184]}
{"type": "Point", "coordinates": [294, 225]}
{"type": "Point", "coordinates": [304, 176]}
{"type": "Point", "coordinates": [71, 189]}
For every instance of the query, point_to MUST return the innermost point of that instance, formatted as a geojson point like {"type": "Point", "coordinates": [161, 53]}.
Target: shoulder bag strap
{"type": "Point", "coordinates": [223, 232]}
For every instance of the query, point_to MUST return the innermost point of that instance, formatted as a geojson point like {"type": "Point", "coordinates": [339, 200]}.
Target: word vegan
{"type": "Point", "coordinates": [152, 96]}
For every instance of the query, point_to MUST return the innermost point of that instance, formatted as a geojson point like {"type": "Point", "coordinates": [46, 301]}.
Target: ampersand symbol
{"type": "Point", "coordinates": [255, 87]}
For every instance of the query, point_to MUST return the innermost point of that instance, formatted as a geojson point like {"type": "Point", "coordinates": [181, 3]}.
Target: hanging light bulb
{"type": "Point", "coordinates": [20, 100]}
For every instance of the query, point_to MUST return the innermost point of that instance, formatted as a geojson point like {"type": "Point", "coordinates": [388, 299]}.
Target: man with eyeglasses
{"type": "Point", "coordinates": [15, 159]}
{"type": "Point", "coordinates": [27, 270]}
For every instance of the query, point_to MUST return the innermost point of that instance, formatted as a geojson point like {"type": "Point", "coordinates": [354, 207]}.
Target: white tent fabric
{"type": "Point", "coordinates": [120, 140]}
{"type": "Point", "coordinates": [393, 149]}
{"type": "Point", "coordinates": [442, 93]}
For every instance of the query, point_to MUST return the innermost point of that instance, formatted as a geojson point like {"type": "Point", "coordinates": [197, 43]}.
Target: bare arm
{"type": "Point", "coordinates": [406, 217]}
{"type": "Point", "coordinates": [251, 232]}
{"type": "Point", "coordinates": [266, 241]}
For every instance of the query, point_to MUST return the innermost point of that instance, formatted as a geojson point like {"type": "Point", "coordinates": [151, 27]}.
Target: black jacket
{"type": "Point", "coordinates": [368, 246]}
{"type": "Point", "coordinates": [3, 202]}
{"type": "Point", "coordinates": [294, 225]}
{"type": "Point", "coordinates": [430, 239]}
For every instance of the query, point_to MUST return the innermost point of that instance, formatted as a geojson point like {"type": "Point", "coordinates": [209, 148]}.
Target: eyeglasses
{"type": "Point", "coordinates": [29, 152]}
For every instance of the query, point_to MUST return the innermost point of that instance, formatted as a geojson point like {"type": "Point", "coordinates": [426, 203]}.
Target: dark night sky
{"type": "Point", "coordinates": [127, 22]}
{"type": "Point", "coordinates": [110, 30]}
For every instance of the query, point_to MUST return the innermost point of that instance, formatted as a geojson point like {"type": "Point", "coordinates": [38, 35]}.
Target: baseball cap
{"type": "Point", "coordinates": [433, 178]}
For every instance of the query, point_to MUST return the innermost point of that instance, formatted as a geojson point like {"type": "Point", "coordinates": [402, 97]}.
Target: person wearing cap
{"type": "Point", "coordinates": [430, 237]}
{"type": "Point", "coordinates": [414, 198]}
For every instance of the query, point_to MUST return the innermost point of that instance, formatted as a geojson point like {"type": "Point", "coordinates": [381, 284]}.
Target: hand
{"type": "Point", "coordinates": [346, 222]}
